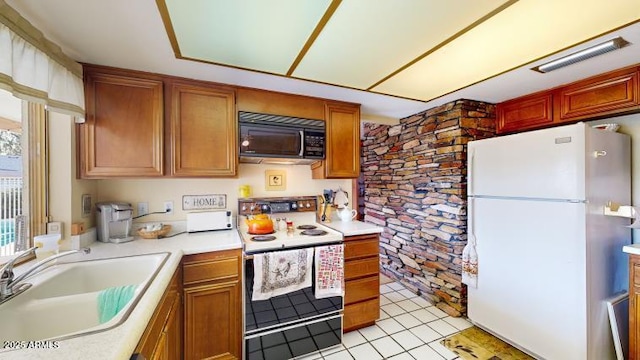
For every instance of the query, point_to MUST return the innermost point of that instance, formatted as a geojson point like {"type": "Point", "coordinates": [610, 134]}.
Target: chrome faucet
{"type": "Point", "coordinates": [10, 286]}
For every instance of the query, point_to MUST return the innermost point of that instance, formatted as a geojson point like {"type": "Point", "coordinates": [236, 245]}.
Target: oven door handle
{"type": "Point", "coordinates": [283, 248]}
{"type": "Point", "coordinates": [294, 326]}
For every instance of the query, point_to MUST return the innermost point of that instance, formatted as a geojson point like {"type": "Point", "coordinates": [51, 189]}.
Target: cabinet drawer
{"type": "Point", "coordinates": [361, 314]}
{"type": "Point", "coordinates": [354, 269]}
{"type": "Point", "coordinates": [362, 289]}
{"type": "Point", "coordinates": [361, 248]}
{"type": "Point", "coordinates": [211, 270]}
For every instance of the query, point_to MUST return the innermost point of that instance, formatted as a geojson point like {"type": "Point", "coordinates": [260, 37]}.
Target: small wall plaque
{"type": "Point", "coordinates": [275, 180]}
{"type": "Point", "coordinates": [204, 202]}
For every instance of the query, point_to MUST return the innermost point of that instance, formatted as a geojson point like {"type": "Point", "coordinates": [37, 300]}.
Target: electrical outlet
{"type": "Point", "coordinates": [168, 207]}
{"type": "Point", "coordinates": [143, 208]}
{"type": "Point", "coordinates": [54, 227]}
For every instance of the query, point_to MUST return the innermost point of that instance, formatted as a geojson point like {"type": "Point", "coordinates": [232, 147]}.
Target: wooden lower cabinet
{"type": "Point", "coordinates": [213, 305]}
{"type": "Point", "coordinates": [634, 307]}
{"type": "Point", "coordinates": [361, 314]}
{"type": "Point", "coordinates": [162, 339]}
{"type": "Point", "coordinates": [362, 281]}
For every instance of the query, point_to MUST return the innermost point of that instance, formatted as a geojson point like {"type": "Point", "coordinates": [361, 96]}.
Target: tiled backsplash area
{"type": "Point", "coordinates": [415, 186]}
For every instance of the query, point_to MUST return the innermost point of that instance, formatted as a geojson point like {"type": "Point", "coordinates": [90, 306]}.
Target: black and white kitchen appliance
{"type": "Point", "coordinates": [268, 138]}
{"type": "Point", "coordinates": [209, 220]}
{"type": "Point", "coordinates": [299, 322]}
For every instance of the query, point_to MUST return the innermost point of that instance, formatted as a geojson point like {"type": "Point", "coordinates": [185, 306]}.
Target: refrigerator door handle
{"type": "Point", "coordinates": [470, 229]}
{"type": "Point", "coordinates": [470, 173]}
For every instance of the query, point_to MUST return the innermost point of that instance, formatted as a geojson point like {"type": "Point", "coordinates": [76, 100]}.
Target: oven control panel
{"type": "Point", "coordinates": [253, 206]}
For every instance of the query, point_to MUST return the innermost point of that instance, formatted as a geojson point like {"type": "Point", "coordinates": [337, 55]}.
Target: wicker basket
{"type": "Point", "coordinates": [154, 234]}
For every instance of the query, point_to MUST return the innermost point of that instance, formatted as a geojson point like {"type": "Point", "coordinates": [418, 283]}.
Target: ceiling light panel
{"type": "Point", "coordinates": [522, 33]}
{"type": "Point", "coordinates": [253, 34]}
{"type": "Point", "coordinates": [363, 41]}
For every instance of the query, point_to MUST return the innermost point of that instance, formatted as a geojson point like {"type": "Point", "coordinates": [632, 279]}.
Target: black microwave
{"type": "Point", "coordinates": [265, 138]}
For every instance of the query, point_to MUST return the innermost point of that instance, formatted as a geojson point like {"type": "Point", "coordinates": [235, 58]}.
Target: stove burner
{"type": "Point", "coordinates": [263, 238]}
{"type": "Point", "coordinates": [306, 227]}
{"type": "Point", "coordinates": [314, 232]}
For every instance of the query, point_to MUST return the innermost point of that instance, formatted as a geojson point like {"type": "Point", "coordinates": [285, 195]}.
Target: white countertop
{"type": "Point", "coordinates": [354, 227]}
{"type": "Point", "coordinates": [120, 342]}
{"type": "Point", "coordinates": [633, 249]}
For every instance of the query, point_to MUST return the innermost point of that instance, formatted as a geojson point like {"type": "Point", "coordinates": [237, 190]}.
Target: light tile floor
{"type": "Point", "coordinates": [410, 328]}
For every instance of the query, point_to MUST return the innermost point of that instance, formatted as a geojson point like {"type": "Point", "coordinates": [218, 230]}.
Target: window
{"type": "Point", "coordinates": [23, 169]}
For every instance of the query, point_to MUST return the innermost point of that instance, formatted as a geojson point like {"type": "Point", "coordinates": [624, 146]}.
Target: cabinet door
{"type": "Point", "coordinates": [161, 351]}
{"type": "Point", "coordinates": [173, 331]}
{"type": "Point", "coordinates": [213, 319]}
{"type": "Point", "coordinates": [123, 132]}
{"type": "Point", "coordinates": [162, 339]}
{"type": "Point", "coordinates": [524, 113]}
{"type": "Point", "coordinates": [203, 131]}
{"type": "Point", "coordinates": [609, 94]}
{"type": "Point", "coordinates": [342, 143]}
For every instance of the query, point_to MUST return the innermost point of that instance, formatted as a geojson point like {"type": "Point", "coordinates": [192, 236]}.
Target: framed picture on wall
{"type": "Point", "coordinates": [275, 180]}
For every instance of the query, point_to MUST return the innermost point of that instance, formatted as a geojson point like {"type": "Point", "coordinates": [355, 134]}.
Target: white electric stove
{"type": "Point", "coordinates": [297, 323]}
{"type": "Point", "coordinates": [300, 210]}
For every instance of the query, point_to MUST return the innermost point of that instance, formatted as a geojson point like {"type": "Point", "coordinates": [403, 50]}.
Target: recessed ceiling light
{"type": "Point", "coordinates": [603, 48]}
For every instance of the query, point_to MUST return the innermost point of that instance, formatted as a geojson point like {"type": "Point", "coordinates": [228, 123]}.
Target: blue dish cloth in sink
{"type": "Point", "coordinates": [112, 300]}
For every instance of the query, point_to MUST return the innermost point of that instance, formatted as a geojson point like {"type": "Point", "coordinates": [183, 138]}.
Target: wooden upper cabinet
{"type": "Point", "coordinates": [342, 155]}
{"type": "Point", "coordinates": [525, 113]}
{"type": "Point", "coordinates": [203, 130]}
{"type": "Point", "coordinates": [123, 132]}
{"type": "Point", "coordinates": [602, 95]}
{"type": "Point", "coordinates": [275, 103]}
{"type": "Point", "coordinates": [613, 93]}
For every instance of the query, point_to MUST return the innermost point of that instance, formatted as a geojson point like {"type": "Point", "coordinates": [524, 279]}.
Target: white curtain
{"type": "Point", "coordinates": [34, 69]}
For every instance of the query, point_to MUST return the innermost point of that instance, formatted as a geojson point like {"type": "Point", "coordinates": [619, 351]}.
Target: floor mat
{"type": "Point", "coordinates": [477, 344]}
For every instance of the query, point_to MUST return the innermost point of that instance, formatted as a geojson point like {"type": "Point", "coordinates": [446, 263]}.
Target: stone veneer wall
{"type": "Point", "coordinates": [415, 186]}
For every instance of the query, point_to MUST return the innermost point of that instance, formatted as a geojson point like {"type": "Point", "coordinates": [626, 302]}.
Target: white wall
{"type": "Point", "coordinates": [156, 191]}
{"type": "Point", "coordinates": [630, 125]}
{"type": "Point", "coordinates": [65, 191]}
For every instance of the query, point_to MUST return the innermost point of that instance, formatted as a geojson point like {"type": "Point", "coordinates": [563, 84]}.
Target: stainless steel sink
{"type": "Point", "coordinates": [63, 301]}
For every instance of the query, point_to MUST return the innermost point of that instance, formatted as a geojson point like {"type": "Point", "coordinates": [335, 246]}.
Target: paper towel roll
{"type": "Point", "coordinates": [47, 245]}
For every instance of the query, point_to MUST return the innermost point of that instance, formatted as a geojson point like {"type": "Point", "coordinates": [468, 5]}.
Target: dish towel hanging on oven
{"type": "Point", "coordinates": [470, 263]}
{"type": "Point", "coordinates": [281, 272]}
{"type": "Point", "coordinates": [329, 268]}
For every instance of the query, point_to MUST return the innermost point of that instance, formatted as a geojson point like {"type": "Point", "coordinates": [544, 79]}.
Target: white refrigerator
{"type": "Point", "coordinates": [547, 256]}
